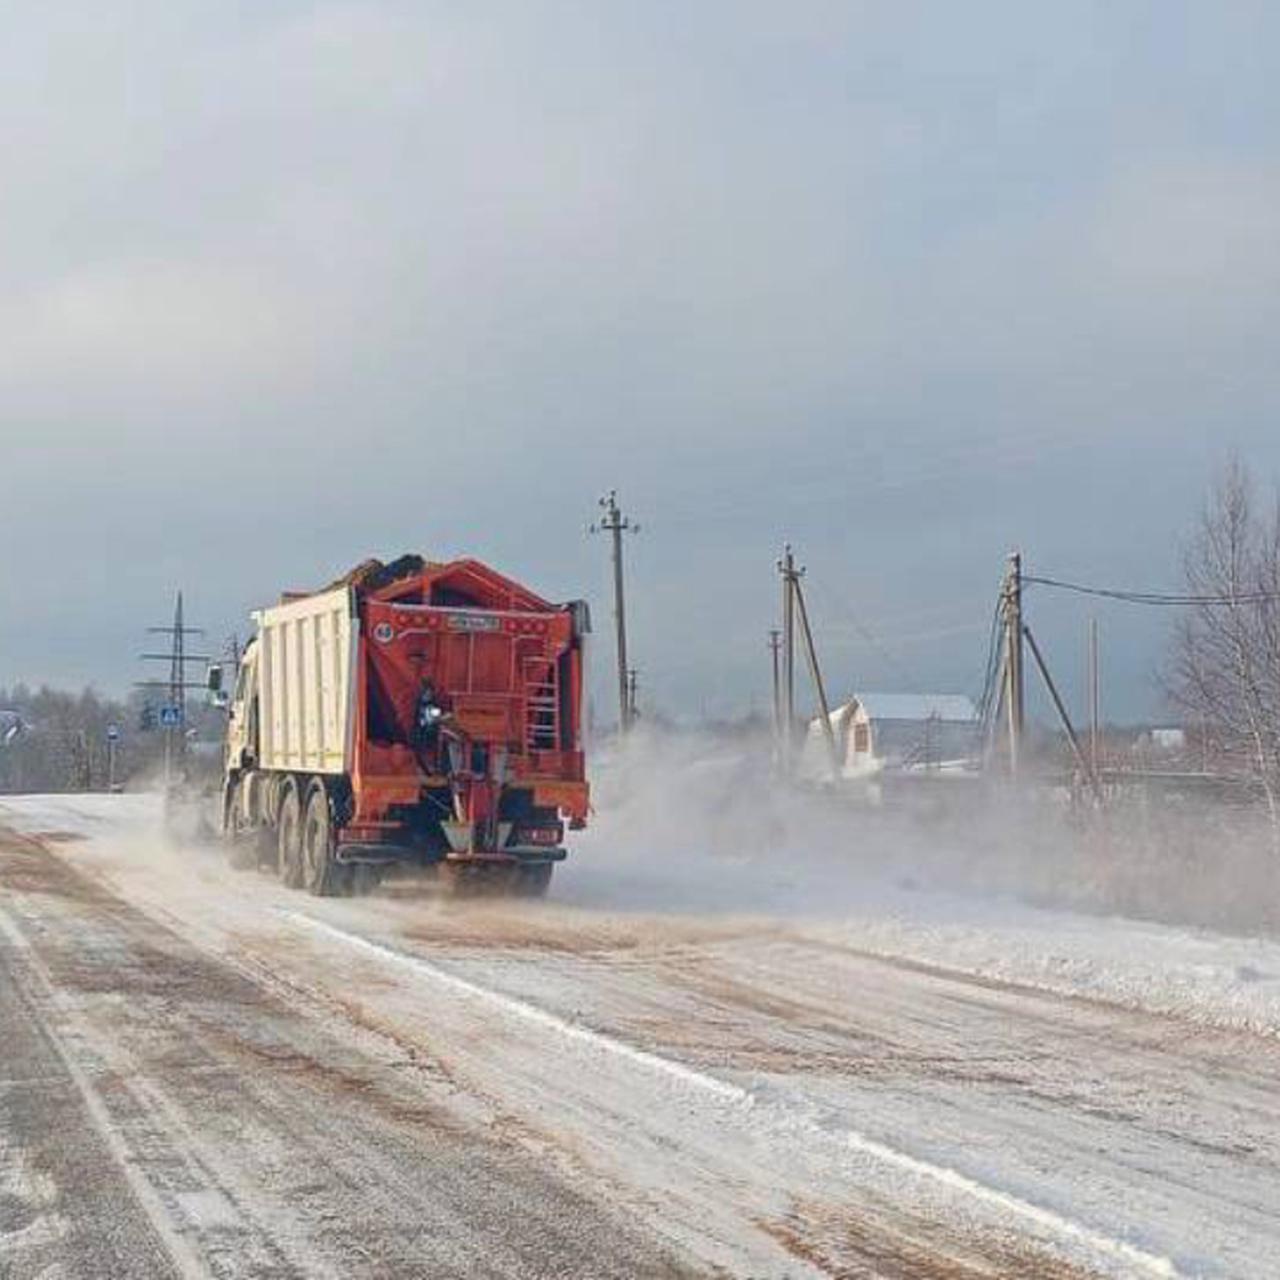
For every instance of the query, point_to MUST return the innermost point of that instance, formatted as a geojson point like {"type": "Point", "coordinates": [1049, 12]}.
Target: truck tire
{"type": "Point", "coordinates": [289, 835]}
{"type": "Point", "coordinates": [241, 839]}
{"type": "Point", "coordinates": [321, 874]}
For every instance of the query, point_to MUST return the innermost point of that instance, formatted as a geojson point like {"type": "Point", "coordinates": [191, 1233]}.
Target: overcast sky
{"type": "Point", "coordinates": [287, 284]}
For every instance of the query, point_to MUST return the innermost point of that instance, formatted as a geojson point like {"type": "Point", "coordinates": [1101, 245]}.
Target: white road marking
{"type": "Point", "coordinates": [533, 1013]}
{"type": "Point", "coordinates": [957, 1181]}
{"type": "Point", "coordinates": [1047, 1219]}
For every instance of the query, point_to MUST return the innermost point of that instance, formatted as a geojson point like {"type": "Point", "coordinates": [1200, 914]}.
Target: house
{"type": "Point", "coordinates": [1162, 741]}
{"type": "Point", "coordinates": [906, 732]}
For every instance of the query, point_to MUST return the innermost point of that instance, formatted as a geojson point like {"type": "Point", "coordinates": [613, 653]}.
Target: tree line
{"type": "Point", "coordinates": [54, 741]}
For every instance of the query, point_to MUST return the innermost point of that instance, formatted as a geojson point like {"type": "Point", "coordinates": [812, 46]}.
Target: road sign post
{"type": "Point", "coordinates": [113, 740]}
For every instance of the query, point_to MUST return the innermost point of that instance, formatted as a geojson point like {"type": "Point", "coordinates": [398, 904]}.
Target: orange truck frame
{"type": "Point", "coordinates": [411, 712]}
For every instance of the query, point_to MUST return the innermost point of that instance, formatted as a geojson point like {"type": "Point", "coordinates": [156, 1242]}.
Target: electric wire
{"type": "Point", "coordinates": [992, 666]}
{"type": "Point", "coordinates": [1158, 598]}
{"type": "Point", "coordinates": [883, 652]}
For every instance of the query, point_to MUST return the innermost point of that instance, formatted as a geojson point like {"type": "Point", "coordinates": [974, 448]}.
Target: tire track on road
{"type": "Point", "coordinates": [261, 1143]}
{"type": "Point", "coordinates": [723, 1091]}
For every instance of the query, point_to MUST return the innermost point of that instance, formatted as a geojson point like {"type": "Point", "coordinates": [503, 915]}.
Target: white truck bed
{"type": "Point", "coordinates": [307, 654]}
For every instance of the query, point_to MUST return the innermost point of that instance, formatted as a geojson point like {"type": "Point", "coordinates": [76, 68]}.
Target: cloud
{"type": "Point", "coordinates": [901, 283]}
{"type": "Point", "coordinates": [156, 329]}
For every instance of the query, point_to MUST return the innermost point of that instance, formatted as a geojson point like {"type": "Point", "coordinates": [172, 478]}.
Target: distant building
{"type": "Point", "coordinates": [906, 732]}
{"type": "Point", "coordinates": [1163, 740]}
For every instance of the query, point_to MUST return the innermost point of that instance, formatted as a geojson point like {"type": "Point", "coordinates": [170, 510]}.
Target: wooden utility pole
{"type": "Point", "coordinates": [790, 576]}
{"type": "Point", "coordinates": [793, 604]}
{"type": "Point", "coordinates": [1095, 697]}
{"type": "Point", "coordinates": [1013, 661]}
{"type": "Point", "coordinates": [775, 642]}
{"type": "Point", "coordinates": [633, 680]}
{"type": "Point", "coordinates": [615, 523]}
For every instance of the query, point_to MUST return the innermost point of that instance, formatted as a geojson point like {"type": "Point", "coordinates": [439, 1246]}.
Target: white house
{"type": "Point", "coordinates": [909, 732]}
{"type": "Point", "coordinates": [1163, 741]}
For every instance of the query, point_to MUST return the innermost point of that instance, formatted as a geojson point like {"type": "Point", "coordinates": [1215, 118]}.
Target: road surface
{"type": "Point", "coordinates": [205, 1074]}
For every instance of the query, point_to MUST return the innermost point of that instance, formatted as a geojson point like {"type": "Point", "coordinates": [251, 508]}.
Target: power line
{"type": "Point", "coordinates": [991, 668]}
{"type": "Point", "coordinates": [883, 653]}
{"type": "Point", "coordinates": [1160, 598]}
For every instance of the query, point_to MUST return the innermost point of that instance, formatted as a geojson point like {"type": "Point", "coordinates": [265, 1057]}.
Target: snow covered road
{"type": "Point", "coordinates": [206, 1074]}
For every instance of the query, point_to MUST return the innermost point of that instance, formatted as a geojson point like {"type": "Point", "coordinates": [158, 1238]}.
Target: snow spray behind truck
{"type": "Point", "coordinates": [410, 712]}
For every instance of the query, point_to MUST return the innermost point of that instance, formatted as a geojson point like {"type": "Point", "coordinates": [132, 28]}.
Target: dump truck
{"type": "Point", "coordinates": [411, 712]}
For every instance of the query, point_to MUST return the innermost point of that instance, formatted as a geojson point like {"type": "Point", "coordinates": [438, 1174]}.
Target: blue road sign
{"type": "Point", "coordinates": [113, 733]}
{"type": "Point", "coordinates": [170, 716]}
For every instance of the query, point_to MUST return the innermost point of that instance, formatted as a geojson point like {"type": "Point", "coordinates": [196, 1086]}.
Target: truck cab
{"type": "Point", "coordinates": [242, 714]}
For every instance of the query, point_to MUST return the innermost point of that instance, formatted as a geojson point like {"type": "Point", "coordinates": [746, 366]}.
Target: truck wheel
{"type": "Point", "coordinates": [289, 849]}
{"type": "Point", "coordinates": [533, 882]}
{"type": "Point", "coordinates": [321, 873]}
{"type": "Point", "coordinates": [241, 839]}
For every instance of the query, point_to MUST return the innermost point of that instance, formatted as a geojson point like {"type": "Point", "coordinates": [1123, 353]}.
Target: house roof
{"type": "Point", "coordinates": [951, 707]}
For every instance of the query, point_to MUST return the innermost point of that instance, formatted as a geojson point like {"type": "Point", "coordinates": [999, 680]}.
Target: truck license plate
{"type": "Point", "coordinates": [473, 622]}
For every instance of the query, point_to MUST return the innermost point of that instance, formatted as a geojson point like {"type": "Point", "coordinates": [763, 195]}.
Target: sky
{"type": "Point", "coordinates": [287, 284]}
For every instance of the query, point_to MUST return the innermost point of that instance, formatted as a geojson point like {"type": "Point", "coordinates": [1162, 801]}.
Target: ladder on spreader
{"type": "Point", "coordinates": [542, 705]}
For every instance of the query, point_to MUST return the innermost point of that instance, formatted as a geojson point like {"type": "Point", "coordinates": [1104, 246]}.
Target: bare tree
{"type": "Point", "coordinates": [51, 740]}
{"type": "Point", "coordinates": [1225, 668]}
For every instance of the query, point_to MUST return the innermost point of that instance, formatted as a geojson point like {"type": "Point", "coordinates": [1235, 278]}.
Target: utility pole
{"type": "Point", "coordinates": [790, 576]}
{"type": "Point", "coordinates": [793, 604]}
{"type": "Point", "coordinates": [775, 642]}
{"type": "Point", "coordinates": [633, 680]}
{"type": "Point", "coordinates": [1014, 672]}
{"type": "Point", "coordinates": [615, 523]}
{"type": "Point", "coordinates": [1095, 697]}
{"type": "Point", "coordinates": [174, 714]}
